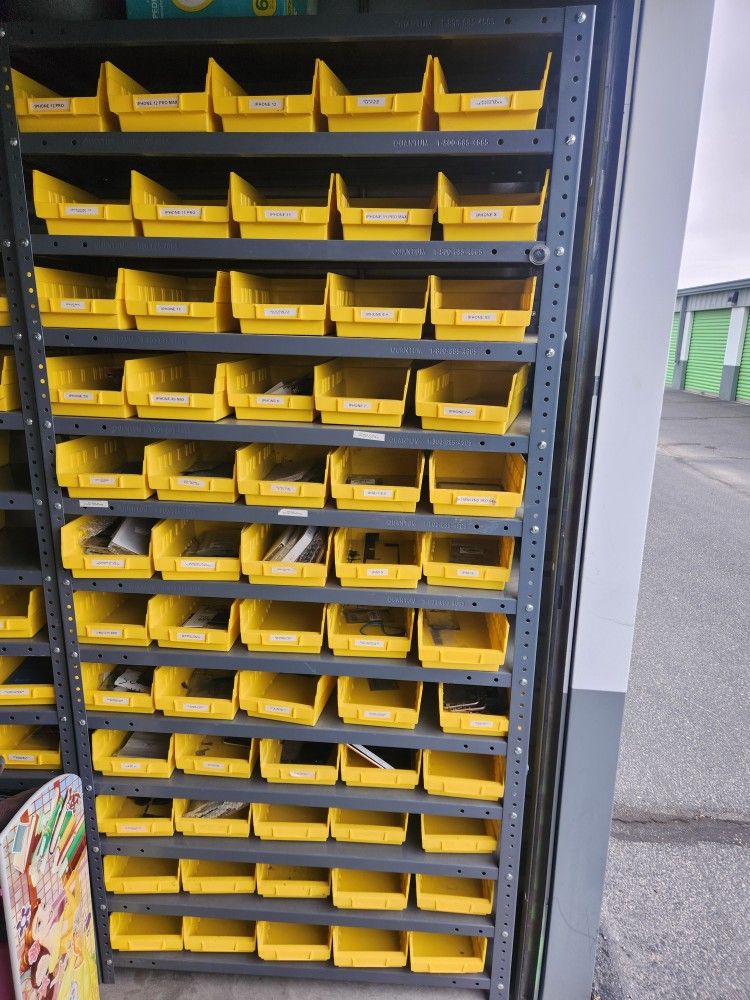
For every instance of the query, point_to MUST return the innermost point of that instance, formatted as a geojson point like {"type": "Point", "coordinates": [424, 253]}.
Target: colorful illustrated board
{"type": "Point", "coordinates": [44, 872]}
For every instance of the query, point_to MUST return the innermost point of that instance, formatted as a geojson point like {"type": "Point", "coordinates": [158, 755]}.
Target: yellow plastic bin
{"type": "Point", "coordinates": [88, 385]}
{"type": "Point", "coordinates": [365, 392]}
{"type": "Point", "coordinates": [178, 386]}
{"type": "Point", "coordinates": [110, 755]}
{"type": "Point", "coordinates": [377, 558]}
{"type": "Point", "coordinates": [377, 479]}
{"type": "Point", "coordinates": [257, 540]}
{"type": "Point", "coordinates": [362, 826]}
{"type": "Point", "coordinates": [102, 467]}
{"type": "Point", "coordinates": [216, 934]}
{"type": "Point", "coordinates": [221, 877]}
{"type": "Point", "coordinates": [284, 822]}
{"type": "Point", "coordinates": [10, 397]}
{"type": "Point", "coordinates": [400, 112]}
{"type": "Point", "coordinates": [503, 214]}
{"type": "Point", "coordinates": [162, 213]}
{"type": "Point", "coordinates": [308, 764]}
{"type": "Point", "coordinates": [362, 890]}
{"type": "Point", "coordinates": [174, 544]}
{"type": "Point", "coordinates": [270, 389]}
{"type": "Point", "coordinates": [465, 640]}
{"type": "Point", "coordinates": [493, 109]}
{"type": "Point", "coordinates": [141, 875]}
{"type": "Point", "coordinates": [94, 566]}
{"type": "Point", "coordinates": [404, 772]}
{"type": "Point", "coordinates": [378, 701]}
{"type": "Point", "coordinates": [39, 109]}
{"type": "Point", "coordinates": [182, 622]}
{"type": "Point", "coordinates": [142, 111]}
{"type": "Point", "coordinates": [482, 397]}
{"type": "Point", "coordinates": [145, 932]}
{"type": "Point", "coordinates": [374, 307]}
{"type": "Point", "coordinates": [281, 305]}
{"type": "Point", "coordinates": [376, 632]}
{"type": "Point", "coordinates": [451, 954]}
{"type": "Point", "coordinates": [458, 834]}
{"type": "Point", "coordinates": [477, 485]}
{"type": "Point", "coordinates": [197, 471]}
{"type": "Point", "coordinates": [214, 755]}
{"type": "Point", "coordinates": [243, 112]}
{"type": "Point", "coordinates": [291, 217]}
{"type": "Point", "coordinates": [83, 301]}
{"type": "Point", "coordinates": [101, 699]}
{"type": "Point", "coordinates": [293, 882]}
{"type": "Point", "coordinates": [184, 305]}
{"type": "Point", "coordinates": [22, 611]}
{"type": "Point", "coordinates": [279, 942]}
{"type": "Point", "coordinates": [282, 626]}
{"type": "Point", "coordinates": [384, 217]}
{"type": "Point", "coordinates": [26, 681]}
{"type": "Point", "coordinates": [68, 210]}
{"type": "Point", "coordinates": [173, 697]}
{"type": "Point", "coordinates": [452, 894]}
{"type": "Point", "coordinates": [463, 775]}
{"type": "Point", "coordinates": [491, 722]}
{"type": "Point", "coordinates": [4, 307]}
{"type": "Point", "coordinates": [119, 816]}
{"type": "Point", "coordinates": [488, 310]}
{"type": "Point", "coordinates": [467, 560]}
{"type": "Point", "coordinates": [275, 474]}
{"type": "Point", "coordinates": [112, 619]}
{"type": "Point", "coordinates": [30, 747]}
{"type": "Point", "coordinates": [297, 698]}
{"type": "Point", "coordinates": [369, 948]}
{"type": "Point", "coordinates": [236, 825]}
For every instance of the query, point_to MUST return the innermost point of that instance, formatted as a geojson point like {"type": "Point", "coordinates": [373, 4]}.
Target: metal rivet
{"type": "Point", "coordinates": [58, 506]}
{"type": "Point", "coordinates": [2, 33]}
{"type": "Point", "coordinates": [74, 656]}
{"type": "Point", "coordinates": [48, 424]}
{"type": "Point", "coordinates": [550, 352]}
{"type": "Point", "coordinates": [514, 815]}
{"type": "Point", "coordinates": [89, 788]}
{"type": "Point", "coordinates": [535, 529]}
{"type": "Point", "coordinates": [110, 962]}
{"type": "Point", "coordinates": [47, 579]}
{"type": "Point", "coordinates": [28, 421]}
{"type": "Point", "coordinates": [19, 337]}
{"type": "Point", "coordinates": [570, 140]}
{"type": "Point", "coordinates": [6, 243]}
{"type": "Point", "coordinates": [501, 987]}
{"type": "Point", "coordinates": [559, 251]}
{"type": "Point", "coordinates": [524, 682]}
{"type": "Point", "coordinates": [24, 243]}
{"type": "Point", "coordinates": [580, 17]}
{"type": "Point", "coordinates": [81, 722]}
{"type": "Point", "coordinates": [14, 141]}
{"type": "Point", "coordinates": [39, 504]}
{"type": "Point", "coordinates": [37, 336]}
{"type": "Point", "coordinates": [509, 877]}
{"type": "Point", "coordinates": [102, 907]}
{"type": "Point", "coordinates": [505, 935]}
{"type": "Point", "coordinates": [542, 445]}
{"type": "Point", "coordinates": [63, 718]}
{"type": "Point", "coordinates": [529, 608]}
{"type": "Point", "coordinates": [95, 850]}
{"type": "Point", "coordinates": [518, 751]}
{"type": "Point", "coordinates": [56, 649]}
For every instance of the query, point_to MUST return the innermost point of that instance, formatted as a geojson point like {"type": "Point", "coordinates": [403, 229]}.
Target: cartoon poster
{"type": "Point", "coordinates": [44, 873]}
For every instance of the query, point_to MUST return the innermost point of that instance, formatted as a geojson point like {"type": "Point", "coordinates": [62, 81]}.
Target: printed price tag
{"type": "Point", "coordinates": [194, 706]}
{"type": "Point", "coordinates": [111, 699]}
{"type": "Point", "coordinates": [486, 214]}
{"type": "Point", "coordinates": [102, 480]}
{"type": "Point", "coordinates": [20, 757]}
{"type": "Point", "coordinates": [169, 398]}
{"type": "Point", "coordinates": [476, 501]}
{"type": "Point", "coordinates": [368, 436]}
{"type": "Point", "coordinates": [377, 315]}
{"type": "Point", "coordinates": [79, 395]}
{"type": "Point", "coordinates": [213, 765]}
{"type": "Point", "coordinates": [471, 573]}
{"type": "Point", "coordinates": [56, 104]}
{"type": "Point", "coordinates": [376, 571]}
{"type": "Point", "coordinates": [459, 411]}
{"type": "Point", "coordinates": [265, 104]}
{"type": "Point", "coordinates": [277, 709]}
{"type": "Point", "coordinates": [478, 317]}
{"type": "Point", "coordinates": [79, 210]}
{"type": "Point", "coordinates": [94, 503]}
{"type": "Point", "coordinates": [190, 636]}
{"type": "Point", "coordinates": [282, 637]}
{"type": "Point", "coordinates": [132, 828]}
{"type": "Point", "coordinates": [356, 404]}
{"type": "Point", "coordinates": [130, 765]}
{"type": "Point", "coordinates": [369, 643]}
{"type": "Point", "coordinates": [293, 512]}
{"type": "Point", "coordinates": [283, 570]}
{"type": "Point", "coordinates": [371, 713]}
{"type": "Point", "coordinates": [72, 305]}
{"type": "Point", "coordinates": [171, 308]}
{"type": "Point", "coordinates": [305, 775]}
{"type": "Point", "coordinates": [191, 484]}
{"type": "Point", "coordinates": [377, 494]}
{"type": "Point", "coordinates": [489, 101]}
{"type": "Point", "coordinates": [96, 562]}
{"type": "Point", "coordinates": [370, 101]}
{"type": "Point", "coordinates": [156, 103]}
{"type": "Point", "coordinates": [280, 312]}
{"type": "Point", "coordinates": [15, 692]}
{"type": "Point", "coordinates": [105, 633]}
{"type": "Point", "coordinates": [281, 214]}
{"type": "Point", "coordinates": [480, 723]}
{"type": "Point", "coordinates": [207, 564]}
{"type": "Point", "coordinates": [381, 216]}
{"type": "Point", "coordinates": [179, 211]}
{"type": "Point", "coordinates": [269, 400]}
{"type": "Point", "coordinates": [284, 488]}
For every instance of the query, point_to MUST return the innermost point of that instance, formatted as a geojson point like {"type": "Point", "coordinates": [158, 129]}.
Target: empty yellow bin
{"type": "Point", "coordinates": [102, 467]}
{"type": "Point", "coordinates": [39, 109]}
{"type": "Point", "coordinates": [384, 217]}
{"type": "Point", "coordinates": [365, 392]}
{"type": "Point", "coordinates": [236, 825]}
{"type": "Point", "coordinates": [292, 217]}
{"type": "Point", "coordinates": [92, 566]}
{"type": "Point", "coordinates": [486, 310]}
{"type": "Point", "coordinates": [70, 211]}
{"type": "Point", "coordinates": [309, 763]}
{"type": "Point", "coordinates": [379, 702]}
{"type": "Point", "coordinates": [295, 698]}
{"type": "Point", "coordinates": [374, 307]}
{"type": "Point", "coordinates": [447, 953]}
{"type": "Point", "coordinates": [258, 539]}
{"type": "Point", "coordinates": [98, 698]}
{"type": "Point", "coordinates": [403, 773]}
{"type": "Point", "coordinates": [283, 822]}
{"type": "Point", "coordinates": [214, 755]}
{"type": "Point", "coordinates": [145, 932]}
{"type": "Point", "coordinates": [451, 894]}
{"type": "Point", "coordinates": [274, 474]}
{"type": "Point", "coordinates": [120, 816]}
{"type": "Point", "coordinates": [4, 307]}
{"type": "Point", "coordinates": [30, 747]}
{"type": "Point", "coordinates": [271, 389]}
{"type": "Point", "coordinates": [503, 214]}
{"type": "Point", "coordinates": [463, 775]}
{"type": "Point", "coordinates": [198, 471]}
{"type": "Point", "coordinates": [22, 611]}
{"type": "Point", "coordinates": [482, 397]}
{"type": "Point", "coordinates": [88, 385]}
{"type": "Point", "coordinates": [491, 722]}
{"type": "Point", "coordinates": [162, 213]}
{"type": "Point", "coordinates": [488, 109]}
{"type": "Point", "coordinates": [185, 305]}
{"type": "Point", "coordinates": [83, 301]}
{"type": "Point", "coordinates": [459, 834]}
{"type": "Point", "coordinates": [362, 826]}
{"type": "Point", "coordinates": [361, 890]}
{"type": "Point", "coordinates": [141, 111]}
{"type": "Point", "coordinates": [293, 882]}
{"type": "Point", "coordinates": [376, 632]}
{"type": "Point", "coordinates": [466, 640]}
{"type": "Point", "coordinates": [223, 877]}
{"type": "Point", "coordinates": [178, 386]}
{"type": "Point", "coordinates": [173, 697]}
{"type": "Point", "coordinates": [281, 305]}
{"type": "Point", "coordinates": [475, 484]}
{"type": "Point", "coordinates": [26, 681]}
{"type": "Point", "coordinates": [377, 479]}
{"type": "Point", "coordinates": [293, 942]}
{"type": "Point", "coordinates": [182, 622]}
{"type": "Point", "coordinates": [366, 558]}
{"type": "Point", "coordinates": [282, 626]}
{"type": "Point", "coordinates": [112, 619]}
{"type": "Point", "coordinates": [467, 560]}
{"type": "Point", "coordinates": [10, 398]}
{"type": "Point", "coordinates": [399, 112]}
{"type": "Point", "coordinates": [182, 550]}
{"type": "Point", "coordinates": [141, 875]}
{"type": "Point", "coordinates": [215, 934]}
{"type": "Point", "coordinates": [110, 754]}
{"type": "Point", "coordinates": [243, 112]}
{"type": "Point", "coordinates": [369, 948]}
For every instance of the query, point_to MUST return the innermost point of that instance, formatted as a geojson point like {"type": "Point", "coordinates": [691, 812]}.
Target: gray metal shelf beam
{"type": "Point", "coordinates": [28, 715]}
{"type": "Point", "coordinates": [11, 420]}
{"type": "Point", "coordinates": [38, 645]}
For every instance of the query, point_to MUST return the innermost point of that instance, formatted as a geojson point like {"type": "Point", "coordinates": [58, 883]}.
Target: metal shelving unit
{"type": "Point", "coordinates": [569, 32]}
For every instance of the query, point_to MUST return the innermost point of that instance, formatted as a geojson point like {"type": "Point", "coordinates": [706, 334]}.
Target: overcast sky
{"type": "Point", "coordinates": [717, 239]}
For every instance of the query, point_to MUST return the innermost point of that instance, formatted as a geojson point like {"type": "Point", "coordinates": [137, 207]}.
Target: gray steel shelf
{"type": "Point", "coordinates": [11, 420]}
{"type": "Point", "coordinates": [28, 715]}
{"type": "Point", "coordinates": [14, 490]}
{"type": "Point", "coordinates": [26, 777]}
{"type": "Point", "coordinates": [254, 789]}
{"type": "Point", "coordinates": [38, 645]}
{"type": "Point", "coordinates": [19, 556]}
{"type": "Point", "coordinates": [6, 336]}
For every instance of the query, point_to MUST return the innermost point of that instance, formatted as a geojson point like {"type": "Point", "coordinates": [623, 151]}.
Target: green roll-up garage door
{"type": "Point", "coordinates": [743, 382]}
{"type": "Point", "coordinates": [672, 348]}
{"type": "Point", "coordinates": [708, 342]}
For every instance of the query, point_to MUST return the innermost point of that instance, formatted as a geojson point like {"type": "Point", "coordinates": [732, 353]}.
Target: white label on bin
{"type": "Point", "coordinates": [459, 411]}
{"type": "Point", "coordinates": [377, 494]}
{"type": "Point", "coordinates": [368, 101]}
{"type": "Point", "coordinates": [477, 501]}
{"type": "Point", "coordinates": [277, 709]}
{"type": "Point", "coordinates": [94, 503]}
{"type": "Point", "coordinates": [487, 101]}
{"type": "Point", "coordinates": [282, 637]}
{"type": "Point", "coordinates": [369, 644]}
{"type": "Point", "coordinates": [190, 636]}
{"type": "Point", "coordinates": [380, 216]}
{"type": "Point", "coordinates": [132, 828]}
{"type": "Point", "coordinates": [293, 512]}
{"type": "Point", "coordinates": [308, 775]}
{"type": "Point", "coordinates": [368, 436]}
{"type": "Point", "coordinates": [171, 308]}
{"type": "Point", "coordinates": [179, 211]}
{"type": "Point", "coordinates": [269, 400]}
{"type": "Point", "coordinates": [377, 314]}
{"type": "Point", "coordinates": [195, 706]}
{"type": "Point", "coordinates": [106, 633]}
{"type": "Point", "coordinates": [280, 312]}
{"type": "Point", "coordinates": [209, 564]}
{"type": "Point", "coordinates": [191, 484]}
{"type": "Point", "coordinates": [80, 210]}
{"type": "Point", "coordinates": [356, 404]}
{"type": "Point", "coordinates": [283, 488]}
{"type": "Point", "coordinates": [213, 765]}
{"type": "Point", "coordinates": [102, 480]}
{"type": "Point", "coordinates": [284, 214]}
{"type": "Point", "coordinates": [480, 723]}
{"type": "Point", "coordinates": [130, 765]}
{"type": "Point", "coordinates": [486, 214]}
{"type": "Point", "coordinates": [169, 398]}
{"type": "Point", "coordinates": [467, 572]}
{"type": "Point", "coordinates": [21, 757]}
{"type": "Point", "coordinates": [72, 305]}
{"type": "Point", "coordinates": [265, 104]}
{"type": "Point", "coordinates": [83, 395]}
{"type": "Point", "coordinates": [105, 563]}
{"type": "Point", "coordinates": [15, 692]}
{"type": "Point", "coordinates": [283, 571]}
{"type": "Point", "coordinates": [109, 699]}
{"type": "Point", "coordinates": [373, 714]}
{"type": "Point", "coordinates": [164, 101]}
{"type": "Point", "coordinates": [478, 317]}
{"type": "Point", "coordinates": [59, 104]}
{"type": "Point", "coordinates": [375, 571]}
